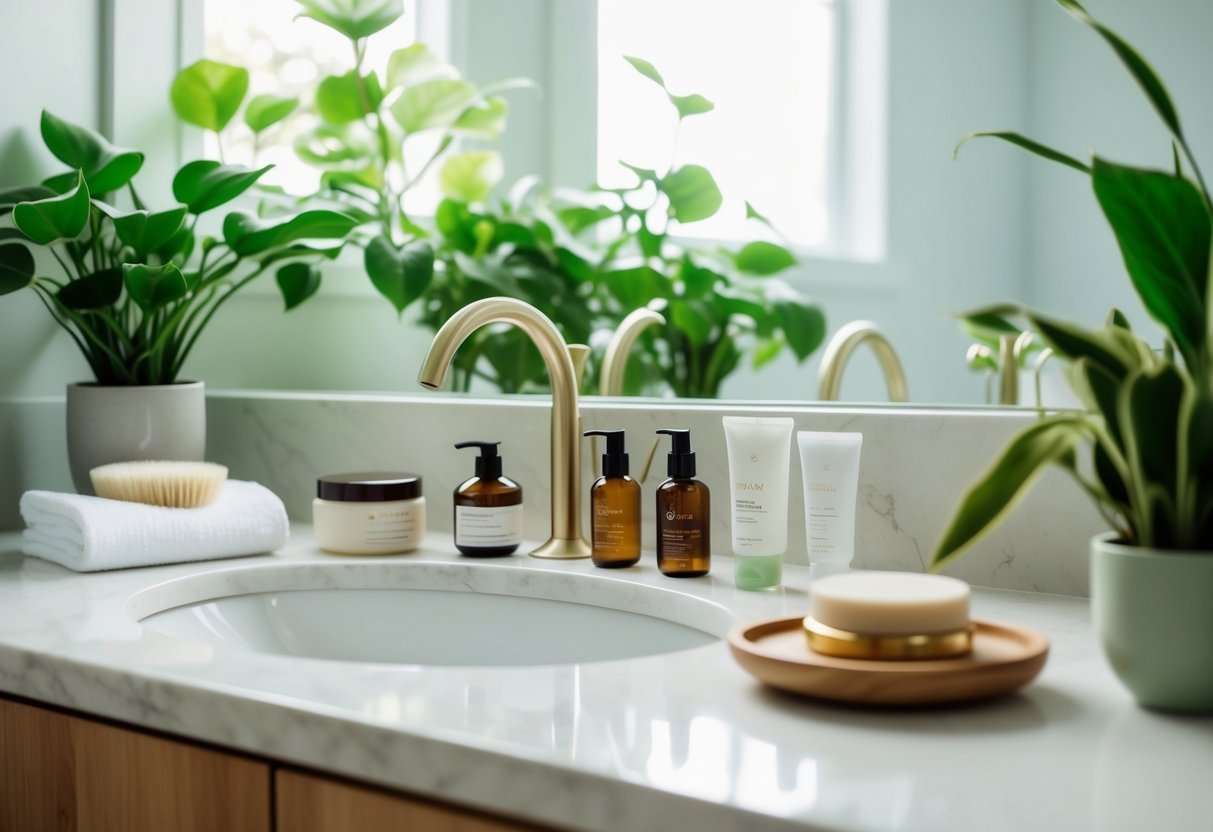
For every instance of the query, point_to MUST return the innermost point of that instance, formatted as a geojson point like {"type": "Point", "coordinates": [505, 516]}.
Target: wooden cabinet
{"type": "Point", "coordinates": [310, 803]}
{"type": "Point", "coordinates": [61, 773]}
{"type": "Point", "coordinates": [65, 773]}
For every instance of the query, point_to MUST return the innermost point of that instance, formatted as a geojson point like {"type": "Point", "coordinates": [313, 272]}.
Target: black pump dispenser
{"type": "Point", "coordinates": [615, 460]}
{"type": "Point", "coordinates": [680, 462]}
{"type": "Point", "coordinates": [488, 464]}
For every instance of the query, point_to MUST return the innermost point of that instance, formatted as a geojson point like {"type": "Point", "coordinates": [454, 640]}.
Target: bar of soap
{"type": "Point", "coordinates": [890, 603]}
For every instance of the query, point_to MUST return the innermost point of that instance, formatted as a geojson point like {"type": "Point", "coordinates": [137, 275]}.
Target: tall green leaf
{"type": "Point", "coordinates": [1149, 408]}
{"type": "Point", "coordinates": [16, 267]}
{"type": "Point", "coordinates": [208, 94]}
{"type": "Point", "coordinates": [1006, 482]}
{"type": "Point", "coordinates": [1163, 229]}
{"type": "Point", "coordinates": [341, 99]}
{"type": "Point", "coordinates": [356, 19]}
{"type": "Point", "coordinates": [206, 184]}
{"type": "Point", "coordinates": [247, 234]}
{"type": "Point", "coordinates": [106, 167]}
{"type": "Point", "coordinates": [692, 192]}
{"type": "Point", "coordinates": [1027, 144]}
{"type": "Point", "coordinates": [400, 275]}
{"type": "Point", "coordinates": [56, 218]}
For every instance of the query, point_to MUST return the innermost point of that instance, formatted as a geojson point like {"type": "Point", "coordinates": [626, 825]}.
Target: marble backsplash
{"type": "Point", "coordinates": [915, 465]}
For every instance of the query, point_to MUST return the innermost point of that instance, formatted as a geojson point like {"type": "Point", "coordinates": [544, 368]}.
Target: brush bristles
{"type": "Point", "coordinates": [169, 484]}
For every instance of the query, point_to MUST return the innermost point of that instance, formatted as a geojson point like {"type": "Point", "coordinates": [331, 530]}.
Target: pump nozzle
{"type": "Point", "coordinates": [680, 462]}
{"type": "Point", "coordinates": [615, 460]}
{"type": "Point", "coordinates": [488, 464]}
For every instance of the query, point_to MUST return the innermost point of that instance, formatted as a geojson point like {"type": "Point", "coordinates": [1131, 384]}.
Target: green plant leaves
{"type": "Point", "coordinates": [432, 104]}
{"type": "Point", "coordinates": [106, 167]}
{"type": "Point", "coordinates": [692, 192]}
{"type": "Point", "coordinates": [56, 218]}
{"type": "Point", "coordinates": [635, 287]}
{"type": "Point", "coordinates": [341, 99]}
{"type": "Point", "coordinates": [1149, 406]}
{"type": "Point", "coordinates": [264, 111]}
{"type": "Point", "coordinates": [1027, 144]}
{"type": "Point", "coordinates": [686, 105]}
{"type": "Point", "coordinates": [152, 287]}
{"type": "Point", "coordinates": [207, 93]}
{"type": "Point", "coordinates": [763, 258]}
{"type": "Point", "coordinates": [247, 234]}
{"type": "Point", "coordinates": [1001, 487]}
{"type": "Point", "coordinates": [413, 64]}
{"type": "Point", "coordinates": [146, 231]}
{"type": "Point", "coordinates": [16, 267]}
{"type": "Point", "coordinates": [695, 318]}
{"type": "Point", "coordinates": [803, 323]}
{"type": "Point", "coordinates": [1163, 229]}
{"type": "Point", "coordinates": [336, 147]}
{"type": "Point", "coordinates": [206, 184]}
{"type": "Point", "coordinates": [11, 197]}
{"type": "Point", "coordinates": [297, 282]}
{"type": "Point", "coordinates": [400, 275]}
{"type": "Point", "coordinates": [470, 176]}
{"type": "Point", "coordinates": [484, 120]}
{"type": "Point", "coordinates": [93, 291]}
{"type": "Point", "coordinates": [356, 19]}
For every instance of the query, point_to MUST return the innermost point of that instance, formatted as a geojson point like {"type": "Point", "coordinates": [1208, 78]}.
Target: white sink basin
{"type": "Point", "coordinates": [424, 613]}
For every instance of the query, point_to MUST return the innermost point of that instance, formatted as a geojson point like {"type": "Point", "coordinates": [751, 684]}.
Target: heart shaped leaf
{"type": "Point", "coordinates": [341, 99]}
{"type": "Point", "coordinates": [106, 167]}
{"type": "Point", "coordinates": [356, 19]}
{"type": "Point", "coordinates": [151, 287]}
{"type": "Point", "coordinates": [297, 282]}
{"type": "Point", "coordinates": [145, 231]}
{"type": "Point", "coordinates": [264, 111]}
{"type": "Point", "coordinates": [207, 94]}
{"type": "Point", "coordinates": [206, 184]}
{"type": "Point", "coordinates": [432, 104]}
{"type": "Point", "coordinates": [55, 218]}
{"type": "Point", "coordinates": [16, 267]}
{"type": "Point", "coordinates": [400, 275]}
{"type": "Point", "coordinates": [692, 192]}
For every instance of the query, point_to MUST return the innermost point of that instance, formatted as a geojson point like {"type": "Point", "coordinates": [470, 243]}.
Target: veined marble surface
{"type": "Point", "coordinates": [916, 463]}
{"type": "Point", "coordinates": [681, 740]}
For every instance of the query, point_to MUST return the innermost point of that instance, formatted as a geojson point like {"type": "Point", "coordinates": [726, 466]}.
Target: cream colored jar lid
{"type": "Point", "coordinates": [891, 603]}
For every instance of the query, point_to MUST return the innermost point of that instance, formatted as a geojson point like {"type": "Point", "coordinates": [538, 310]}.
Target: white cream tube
{"type": "Point", "coordinates": [759, 466]}
{"type": "Point", "coordinates": [829, 463]}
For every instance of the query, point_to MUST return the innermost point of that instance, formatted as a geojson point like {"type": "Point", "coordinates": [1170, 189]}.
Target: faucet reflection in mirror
{"type": "Point", "coordinates": [566, 540]}
{"type": "Point", "coordinates": [615, 366]}
{"type": "Point", "coordinates": [838, 352]}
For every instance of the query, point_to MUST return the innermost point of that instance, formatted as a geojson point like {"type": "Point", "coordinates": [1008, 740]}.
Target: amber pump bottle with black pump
{"type": "Point", "coordinates": [614, 507]}
{"type": "Point", "coordinates": [488, 508]}
{"type": "Point", "coordinates": [684, 513]}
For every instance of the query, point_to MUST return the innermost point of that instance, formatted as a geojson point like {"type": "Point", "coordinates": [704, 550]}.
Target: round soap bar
{"type": "Point", "coordinates": [890, 603]}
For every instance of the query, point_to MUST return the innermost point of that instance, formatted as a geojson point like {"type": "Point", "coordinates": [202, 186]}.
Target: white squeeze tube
{"type": "Point", "coordinates": [829, 463]}
{"type": "Point", "coordinates": [760, 456]}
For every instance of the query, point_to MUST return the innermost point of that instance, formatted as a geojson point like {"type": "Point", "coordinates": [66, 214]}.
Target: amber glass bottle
{"type": "Point", "coordinates": [684, 514]}
{"type": "Point", "coordinates": [488, 508]}
{"type": "Point", "coordinates": [614, 507]}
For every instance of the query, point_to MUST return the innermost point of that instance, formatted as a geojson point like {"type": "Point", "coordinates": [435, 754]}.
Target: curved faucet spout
{"type": "Point", "coordinates": [566, 540]}
{"type": "Point", "coordinates": [615, 362]}
{"type": "Point", "coordinates": [838, 352]}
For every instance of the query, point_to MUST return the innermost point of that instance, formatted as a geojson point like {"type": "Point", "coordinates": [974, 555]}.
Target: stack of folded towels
{"type": "Point", "coordinates": [88, 534]}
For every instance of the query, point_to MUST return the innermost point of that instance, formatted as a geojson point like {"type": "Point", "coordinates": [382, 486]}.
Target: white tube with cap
{"type": "Point", "coordinates": [760, 457]}
{"type": "Point", "coordinates": [829, 464]}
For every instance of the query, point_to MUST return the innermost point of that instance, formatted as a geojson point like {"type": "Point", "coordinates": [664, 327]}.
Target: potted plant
{"type": "Point", "coordinates": [1143, 450]}
{"type": "Point", "coordinates": [134, 287]}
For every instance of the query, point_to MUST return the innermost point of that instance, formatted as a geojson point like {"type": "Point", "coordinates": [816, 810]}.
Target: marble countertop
{"type": "Point", "coordinates": [681, 740]}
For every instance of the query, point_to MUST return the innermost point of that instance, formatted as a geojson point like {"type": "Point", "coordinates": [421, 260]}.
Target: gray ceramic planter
{"type": "Point", "coordinates": [1154, 615]}
{"type": "Point", "coordinates": [121, 424]}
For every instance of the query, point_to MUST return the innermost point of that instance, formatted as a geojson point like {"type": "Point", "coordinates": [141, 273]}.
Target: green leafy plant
{"type": "Point", "coordinates": [1149, 418]}
{"type": "Point", "coordinates": [137, 286]}
{"type": "Point", "coordinates": [376, 136]}
{"type": "Point", "coordinates": [717, 302]}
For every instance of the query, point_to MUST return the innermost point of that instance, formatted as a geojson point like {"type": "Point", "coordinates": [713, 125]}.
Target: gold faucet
{"type": "Point", "coordinates": [838, 352]}
{"type": "Point", "coordinates": [566, 540]}
{"type": "Point", "coordinates": [615, 362]}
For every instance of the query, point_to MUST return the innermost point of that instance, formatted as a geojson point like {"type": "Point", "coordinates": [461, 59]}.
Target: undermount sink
{"type": "Point", "coordinates": [425, 613]}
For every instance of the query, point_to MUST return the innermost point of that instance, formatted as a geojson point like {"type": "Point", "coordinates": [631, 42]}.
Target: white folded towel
{"type": "Point", "coordinates": [88, 534]}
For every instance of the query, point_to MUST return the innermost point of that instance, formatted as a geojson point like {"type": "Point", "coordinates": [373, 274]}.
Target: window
{"type": "Point", "coordinates": [769, 66]}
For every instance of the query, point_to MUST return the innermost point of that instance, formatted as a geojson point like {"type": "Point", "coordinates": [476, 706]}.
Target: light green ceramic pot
{"type": "Point", "coordinates": [1154, 615]}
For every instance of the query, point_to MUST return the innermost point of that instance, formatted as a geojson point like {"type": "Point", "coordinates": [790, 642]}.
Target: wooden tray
{"type": "Point", "coordinates": [1003, 658]}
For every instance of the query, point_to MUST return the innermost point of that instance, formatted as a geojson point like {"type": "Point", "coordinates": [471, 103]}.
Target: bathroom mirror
{"type": "Point", "coordinates": [835, 120]}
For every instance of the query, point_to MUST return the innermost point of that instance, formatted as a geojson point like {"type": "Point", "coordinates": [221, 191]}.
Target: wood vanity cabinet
{"type": "Point", "coordinates": [65, 773]}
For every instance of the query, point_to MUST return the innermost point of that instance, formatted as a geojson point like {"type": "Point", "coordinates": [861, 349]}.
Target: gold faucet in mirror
{"type": "Point", "coordinates": [566, 540]}
{"type": "Point", "coordinates": [838, 352]}
{"type": "Point", "coordinates": [614, 367]}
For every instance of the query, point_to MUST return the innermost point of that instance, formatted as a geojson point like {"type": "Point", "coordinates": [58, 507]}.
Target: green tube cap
{"type": "Point", "coordinates": [758, 571]}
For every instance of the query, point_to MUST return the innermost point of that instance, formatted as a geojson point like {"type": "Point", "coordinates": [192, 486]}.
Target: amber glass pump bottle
{"type": "Point", "coordinates": [488, 508]}
{"type": "Point", "coordinates": [684, 513]}
{"type": "Point", "coordinates": [614, 507]}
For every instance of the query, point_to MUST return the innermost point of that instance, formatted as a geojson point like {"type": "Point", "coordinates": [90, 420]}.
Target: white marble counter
{"type": "Point", "coordinates": [684, 740]}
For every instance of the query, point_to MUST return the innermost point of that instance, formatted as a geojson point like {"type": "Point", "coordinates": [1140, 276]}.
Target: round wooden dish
{"type": "Point", "coordinates": [1003, 658]}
